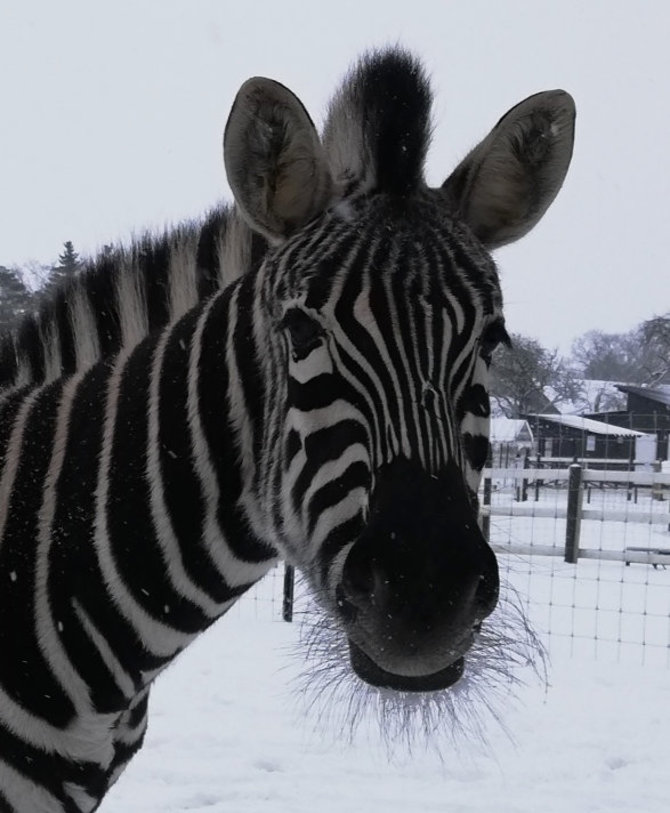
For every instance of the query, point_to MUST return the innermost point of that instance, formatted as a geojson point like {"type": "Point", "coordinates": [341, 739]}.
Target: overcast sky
{"type": "Point", "coordinates": [112, 112]}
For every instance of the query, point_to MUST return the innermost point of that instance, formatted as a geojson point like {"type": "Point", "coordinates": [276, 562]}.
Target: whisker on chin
{"type": "Point", "coordinates": [507, 654]}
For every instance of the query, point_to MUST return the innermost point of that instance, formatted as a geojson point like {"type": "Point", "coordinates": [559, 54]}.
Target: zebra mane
{"type": "Point", "coordinates": [378, 126]}
{"type": "Point", "coordinates": [124, 294]}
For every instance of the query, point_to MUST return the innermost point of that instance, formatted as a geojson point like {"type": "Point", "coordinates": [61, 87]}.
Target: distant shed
{"type": "Point", "coordinates": [571, 436]}
{"type": "Point", "coordinates": [647, 410]}
{"type": "Point", "coordinates": [509, 438]}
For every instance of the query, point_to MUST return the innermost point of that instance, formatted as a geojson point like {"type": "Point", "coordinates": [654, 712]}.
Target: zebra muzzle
{"type": "Point", "coordinates": [417, 583]}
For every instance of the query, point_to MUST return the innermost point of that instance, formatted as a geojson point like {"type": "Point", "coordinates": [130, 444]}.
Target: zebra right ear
{"type": "Point", "coordinates": [505, 185]}
{"type": "Point", "coordinates": [275, 163]}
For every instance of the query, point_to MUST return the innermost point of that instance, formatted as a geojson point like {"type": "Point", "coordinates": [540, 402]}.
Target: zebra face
{"type": "Point", "coordinates": [379, 375]}
{"type": "Point", "coordinates": [380, 307]}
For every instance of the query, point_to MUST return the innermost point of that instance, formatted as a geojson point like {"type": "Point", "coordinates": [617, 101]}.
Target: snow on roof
{"type": "Point", "coordinates": [659, 393]}
{"type": "Point", "coordinates": [593, 395]}
{"type": "Point", "coordinates": [506, 430]}
{"type": "Point", "coordinates": [591, 426]}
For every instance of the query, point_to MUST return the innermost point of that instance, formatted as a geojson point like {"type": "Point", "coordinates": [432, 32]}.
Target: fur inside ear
{"type": "Point", "coordinates": [505, 185]}
{"type": "Point", "coordinates": [275, 163]}
{"type": "Point", "coordinates": [378, 126]}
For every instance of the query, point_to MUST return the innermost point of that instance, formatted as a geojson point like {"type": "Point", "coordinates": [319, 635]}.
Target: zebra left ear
{"type": "Point", "coordinates": [505, 185]}
{"type": "Point", "coordinates": [275, 163]}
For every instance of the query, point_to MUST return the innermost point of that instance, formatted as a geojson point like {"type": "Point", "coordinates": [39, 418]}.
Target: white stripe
{"type": "Point", "coordinates": [182, 274]}
{"type": "Point", "coordinates": [132, 307]}
{"type": "Point", "coordinates": [13, 457]}
{"type": "Point", "coordinates": [114, 667]}
{"type": "Point", "coordinates": [235, 571]}
{"type": "Point", "coordinates": [86, 738]}
{"type": "Point", "coordinates": [50, 343]}
{"type": "Point", "coordinates": [170, 549]}
{"type": "Point", "coordinates": [84, 328]}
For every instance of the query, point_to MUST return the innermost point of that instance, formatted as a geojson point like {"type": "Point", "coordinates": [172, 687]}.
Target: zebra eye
{"type": "Point", "coordinates": [492, 336]}
{"type": "Point", "coordinates": [304, 332]}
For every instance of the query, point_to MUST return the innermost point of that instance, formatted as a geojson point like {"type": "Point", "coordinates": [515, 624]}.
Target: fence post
{"type": "Point", "coordinates": [524, 482]}
{"type": "Point", "coordinates": [289, 583]}
{"type": "Point", "coordinates": [486, 518]}
{"type": "Point", "coordinates": [574, 513]}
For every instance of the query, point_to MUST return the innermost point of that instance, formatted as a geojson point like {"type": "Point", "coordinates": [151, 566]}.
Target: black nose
{"type": "Point", "coordinates": [421, 576]}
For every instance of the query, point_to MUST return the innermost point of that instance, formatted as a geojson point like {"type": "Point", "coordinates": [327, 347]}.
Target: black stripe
{"type": "Point", "coordinates": [475, 401]}
{"type": "Point", "coordinates": [213, 391]}
{"type": "Point", "coordinates": [181, 487]}
{"type": "Point", "coordinates": [207, 255]}
{"type": "Point", "coordinates": [24, 673]}
{"type": "Point", "coordinates": [102, 295]}
{"type": "Point", "coordinates": [29, 348]}
{"type": "Point", "coordinates": [153, 257]}
{"type": "Point", "coordinates": [8, 409]}
{"type": "Point", "coordinates": [4, 804]}
{"type": "Point", "coordinates": [51, 771]}
{"type": "Point", "coordinates": [66, 339]}
{"type": "Point", "coordinates": [357, 475]}
{"type": "Point", "coordinates": [476, 448]}
{"type": "Point", "coordinates": [74, 574]}
{"type": "Point", "coordinates": [341, 536]}
{"type": "Point", "coordinates": [321, 447]}
{"type": "Point", "coordinates": [135, 548]}
{"type": "Point", "coordinates": [8, 368]}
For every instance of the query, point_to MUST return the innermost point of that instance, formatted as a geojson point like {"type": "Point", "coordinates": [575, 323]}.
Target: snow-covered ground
{"type": "Point", "coordinates": [228, 730]}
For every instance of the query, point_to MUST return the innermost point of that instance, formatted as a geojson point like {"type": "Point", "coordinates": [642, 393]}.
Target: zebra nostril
{"type": "Point", "coordinates": [347, 610]}
{"type": "Point", "coordinates": [486, 596]}
{"type": "Point", "coordinates": [358, 575]}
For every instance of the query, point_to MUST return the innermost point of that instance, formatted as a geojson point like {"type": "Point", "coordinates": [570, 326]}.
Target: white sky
{"type": "Point", "coordinates": [112, 115]}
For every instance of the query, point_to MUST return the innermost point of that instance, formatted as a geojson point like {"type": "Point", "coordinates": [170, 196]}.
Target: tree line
{"type": "Point", "coordinates": [525, 376]}
{"type": "Point", "coordinates": [18, 298]}
{"type": "Point", "coordinates": [528, 378]}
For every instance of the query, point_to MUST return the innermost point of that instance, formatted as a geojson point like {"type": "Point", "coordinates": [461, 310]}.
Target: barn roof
{"type": "Point", "coordinates": [660, 393]}
{"type": "Point", "coordinates": [590, 426]}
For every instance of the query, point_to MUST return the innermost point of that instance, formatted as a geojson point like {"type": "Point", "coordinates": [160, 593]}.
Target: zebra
{"type": "Point", "coordinates": [327, 406]}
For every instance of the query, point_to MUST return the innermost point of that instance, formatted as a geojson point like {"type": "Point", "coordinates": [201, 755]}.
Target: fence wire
{"type": "Point", "coordinates": [613, 602]}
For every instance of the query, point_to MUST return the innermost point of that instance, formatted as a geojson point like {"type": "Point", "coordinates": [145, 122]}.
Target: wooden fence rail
{"type": "Point", "coordinates": [578, 479]}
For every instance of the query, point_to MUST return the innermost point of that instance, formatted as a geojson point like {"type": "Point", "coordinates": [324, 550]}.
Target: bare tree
{"type": "Point", "coordinates": [655, 336]}
{"type": "Point", "coordinates": [528, 378]}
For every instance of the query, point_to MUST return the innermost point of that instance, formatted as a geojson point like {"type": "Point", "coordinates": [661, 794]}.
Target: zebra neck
{"type": "Point", "coordinates": [135, 534]}
{"type": "Point", "coordinates": [186, 508]}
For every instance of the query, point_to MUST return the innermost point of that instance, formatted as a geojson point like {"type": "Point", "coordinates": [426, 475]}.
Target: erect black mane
{"type": "Point", "coordinates": [378, 128]}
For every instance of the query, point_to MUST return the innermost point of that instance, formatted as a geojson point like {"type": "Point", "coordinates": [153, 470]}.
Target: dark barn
{"type": "Point", "coordinates": [574, 437]}
{"type": "Point", "coordinates": [647, 410]}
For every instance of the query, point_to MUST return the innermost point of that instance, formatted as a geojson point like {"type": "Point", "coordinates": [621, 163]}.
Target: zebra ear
{"type": "Point", "coordinates": [505, 185]}
{"type": "Point", "coordinates": [275, 163]}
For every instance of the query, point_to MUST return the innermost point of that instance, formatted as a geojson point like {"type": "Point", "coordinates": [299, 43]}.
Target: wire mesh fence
{"type": "Point", "coordinates": [586, 542]}
{"type": "Point", "coordinates": [611, 598]}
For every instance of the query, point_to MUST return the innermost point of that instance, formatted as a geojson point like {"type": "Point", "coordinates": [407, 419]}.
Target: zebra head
{"type": "Point", "coordinates": [381, 308]}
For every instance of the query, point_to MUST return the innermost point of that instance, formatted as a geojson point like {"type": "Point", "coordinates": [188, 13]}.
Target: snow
{"type": "Point", "coordinates": [228, 731]}
{"type": "Point", "coordinates": [590, 425]}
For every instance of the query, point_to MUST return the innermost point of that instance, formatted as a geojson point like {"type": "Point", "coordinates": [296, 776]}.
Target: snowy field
{"type": "Point", "coordinates": [229, 732]}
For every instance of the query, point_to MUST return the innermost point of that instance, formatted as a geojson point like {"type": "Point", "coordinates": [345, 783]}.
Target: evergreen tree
{"type": "Point", "coordinates": [68, 265]}
{"type": "Point", "coordinates": [14, 296]}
